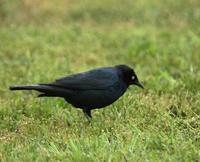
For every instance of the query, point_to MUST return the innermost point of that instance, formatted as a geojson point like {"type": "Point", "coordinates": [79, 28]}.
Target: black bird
{"type": "Point", "coordinates": [89, 90]}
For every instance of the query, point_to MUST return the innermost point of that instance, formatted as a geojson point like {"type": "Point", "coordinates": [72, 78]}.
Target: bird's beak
{"type": "Point", "coordinates": [139, 84]}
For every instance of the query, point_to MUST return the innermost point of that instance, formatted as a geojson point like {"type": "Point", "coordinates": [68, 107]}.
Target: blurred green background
{"type": "Point", "coordinates": [44, 40]}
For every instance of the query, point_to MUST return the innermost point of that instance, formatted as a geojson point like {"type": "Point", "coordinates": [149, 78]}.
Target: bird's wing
{"type": "Point", "coordinates": [95, 79]}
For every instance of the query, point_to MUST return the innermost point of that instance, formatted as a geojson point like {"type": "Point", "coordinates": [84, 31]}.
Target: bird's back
{"type": "Point", "coordinates": [97, 79]}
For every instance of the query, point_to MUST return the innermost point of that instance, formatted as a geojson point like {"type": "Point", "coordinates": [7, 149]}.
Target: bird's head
{"type": "Point", "coordinates": [129, 75]}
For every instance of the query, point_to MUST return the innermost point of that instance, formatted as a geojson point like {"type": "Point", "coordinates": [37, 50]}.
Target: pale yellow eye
{"type": "Point", "coordinates": [133, 77]}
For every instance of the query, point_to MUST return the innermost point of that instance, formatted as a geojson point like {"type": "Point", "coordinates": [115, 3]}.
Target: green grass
{"type": "Point", "coordinates": [42, 41]}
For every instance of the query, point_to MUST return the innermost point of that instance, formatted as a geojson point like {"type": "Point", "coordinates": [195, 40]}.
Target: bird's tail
{"type": "Point", "coordinates": [24, 87]}
{"type": "Point", "coordinates": [46, 90]}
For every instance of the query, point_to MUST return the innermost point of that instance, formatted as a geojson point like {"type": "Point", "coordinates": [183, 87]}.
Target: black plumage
{"type": "Point", "coordinates": [89, 90]}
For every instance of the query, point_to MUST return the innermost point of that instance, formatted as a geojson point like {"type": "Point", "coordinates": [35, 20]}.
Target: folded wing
{"type": "Point", "coordinates": [97, 79]}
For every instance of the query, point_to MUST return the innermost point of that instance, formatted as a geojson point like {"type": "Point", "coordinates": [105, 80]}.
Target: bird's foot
{"type": "Point", "coordinates": [88, 115]}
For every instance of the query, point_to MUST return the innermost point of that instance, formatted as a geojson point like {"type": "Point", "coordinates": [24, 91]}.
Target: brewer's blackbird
{"type": "Point", "coordinates": [89, 90]}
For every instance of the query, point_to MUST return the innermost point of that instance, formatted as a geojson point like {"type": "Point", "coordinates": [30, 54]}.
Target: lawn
{"type": "Point", "coordinates": [44, 40]}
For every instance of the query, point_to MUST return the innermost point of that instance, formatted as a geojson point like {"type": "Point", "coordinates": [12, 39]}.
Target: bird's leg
{"type": "Point", "coordinates": [87, 113]}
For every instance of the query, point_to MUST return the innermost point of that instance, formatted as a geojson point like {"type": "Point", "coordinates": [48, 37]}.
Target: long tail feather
{"type": "Point", "coordinates": [23, 87]}
{"type": "Point", "coordinates": [47, 91]}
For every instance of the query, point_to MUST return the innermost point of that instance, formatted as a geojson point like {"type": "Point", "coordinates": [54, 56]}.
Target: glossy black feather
{"type": "Point", "coordinates": [89, 90]}
{"type": "Point", "coordinates": [98, 79]}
